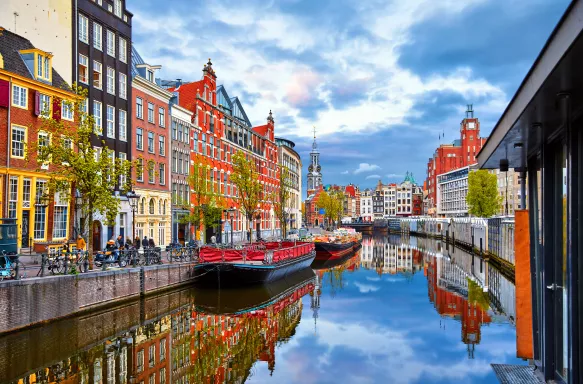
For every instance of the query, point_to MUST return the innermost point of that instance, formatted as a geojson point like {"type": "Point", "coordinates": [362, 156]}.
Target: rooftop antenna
{"type": "Point", "coordinates": [470, 111]}
{"type": "Point", "coordinates": [314, 132]}
{"type": "Point", "coordinates": [15, 16]}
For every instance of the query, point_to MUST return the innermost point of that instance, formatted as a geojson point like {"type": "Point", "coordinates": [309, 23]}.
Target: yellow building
{"type": "Point", "coordinates": [29, 89]}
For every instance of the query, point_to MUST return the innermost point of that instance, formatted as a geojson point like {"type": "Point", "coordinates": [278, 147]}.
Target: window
{"type": "Point", "coordinates": [123, 50]}
{"type": "Point", "coordinates": [150, 75]}
{"type": "Point", "coordinates": [123, 81]}
{"type": "Point", "coordinates": [18, 141]}
{"type": "Point", "coordinates": [109, 8]}
{"type": "Point", "coordinates": [111, 122]}
{"type": "Point", "coordinates": [111, 80]}
{"type": "Point", "coordinates": [19, 96]}
{"type": "Point", "coordinates": [13, 197]}
{"type": "Point", "coordinates": [83, 69]}
{"type": "Point", "coordinates": [122, 179]}
{"type": "Point", "coordinates": [117, 8]}
{"type": "Point", "coordinates": [140, 139]}
{"type": "Point", "coordinates": [40, 213]}
{"type": "Point", "coordinates": [152, 356]}
{"type": "Point", "coordinates": [46, 65]}
{"type": "Point", "coordinates": [139, 108]}
{"type": "Point", "coordinates": [151, 174]}
{"type": "Point", "coordinates": [39, 66]}
{"type": "Point", "coordinates": [97, 38]}
{"type": "Point", "coordinates": [140, 176]}
{"type": "Point", "coordinates": [174, 129]}
{"type": "Point", "coordinates": [162, 174]}
{"type": "Point", "coordinates": [60, 216]}
{"type": "Point", "coordinates": [43, 141]}
{"type": "Point", "coordinates": [67, 110]}
{"type": "Point", "coordinates": [152, 379]}
{"type": "Point", "coordinates": [83, 28]}
{"type": "Point", "coordinates": [162, 145]}
{"type": "Point", "coordinates": [151, 142]}
{"type": "Point", "coordinates": [97, 74]}
{"type": "Point", "coordinates": [110, 43]}
{"type": "Point", "coordinates": [161, 117]}
{"type": "Point", "coordinates": [97, 114]}
{"type": "Point", "coordinates": [150, 112]}
{"type": "Point", "coordinates": [173, 160]}
{"type": "Point", "coordinates": [45, 105]}
{"type": "Point", "coordinates": [179, 131]}
{"type": "Point", "coordinates": [179, 167]}
{"type": "Point", "coordinates": [140, 363]}
{"type": "Point", "coordinates": [123, 115]}
{"type": "Point", "coordinates": [162, 346]}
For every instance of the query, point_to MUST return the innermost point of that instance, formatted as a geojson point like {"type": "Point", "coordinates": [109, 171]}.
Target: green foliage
{"type": "Point", "coordinates": [482, 197]}
{"type": "Point", "coordinates": [477, 296]}
{"type": "Point", "coordinates": [333, 205]}
{"type": "Point", "coordinates": [245, 177]}
{"type": "Point", "coordinates": [75, 162]}
{"type": "Point", "coordinates": [281, 198]}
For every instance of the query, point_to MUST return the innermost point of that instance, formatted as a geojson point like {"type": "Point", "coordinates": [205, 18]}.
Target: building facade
{"type": "Point", "coordinates": [181, 130]}
{"type": "Point", "coordinates": [220, 129]}
{"type": "Point", "coordinates": [366, 212]}
{"type": "Point", "coordinates": [452, 189]}
{"type": "Point", "coordinates": [30, 89]}
{"type": "Point", "coordinates": [461, 153]}
{"type": "Point", "coordinates": [151, 151]}
{"type": "Point", "coordinates": [291, 160]}
{"type": "Point", "coordinates": [509, 191]}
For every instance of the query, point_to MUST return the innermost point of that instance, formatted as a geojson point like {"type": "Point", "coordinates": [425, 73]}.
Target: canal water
{"type": "Point", "coordinates": [402, 310]}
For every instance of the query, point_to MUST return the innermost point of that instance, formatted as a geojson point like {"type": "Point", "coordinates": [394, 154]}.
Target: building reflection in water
{"type": "Point", "coordinates": [461, 286]}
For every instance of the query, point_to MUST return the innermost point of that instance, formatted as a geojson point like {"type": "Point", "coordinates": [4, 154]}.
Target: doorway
{"type": "Point", "coordinates": [25, 229]}
{"type": "Point", "coordinates": [96, 236]}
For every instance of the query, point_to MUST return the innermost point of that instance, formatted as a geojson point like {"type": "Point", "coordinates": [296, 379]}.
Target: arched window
{"type": "Point", "coordinates": [152, 204]}
{"type": "Point", "coordinates": [164, 208]}
{"type": "Point", "coordinates": [160, 206]}
{"type": "Point", "coordinates": [142, 203]}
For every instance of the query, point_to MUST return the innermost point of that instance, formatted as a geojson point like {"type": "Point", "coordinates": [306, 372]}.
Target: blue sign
{"type": "Point", "coordinates": [322, 211]}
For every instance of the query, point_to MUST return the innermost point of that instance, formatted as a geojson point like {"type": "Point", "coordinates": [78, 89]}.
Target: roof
{"type": "Point", "coordinates": [136, 60]}
{"type": "Point", "coordinates": [10, 45]}
{"type": "Point", "coordinates": [350, 190]}
{"type": "Point", "coordinates": [261, 129]}
{"type": "Point", "coordinates": [187, 93]}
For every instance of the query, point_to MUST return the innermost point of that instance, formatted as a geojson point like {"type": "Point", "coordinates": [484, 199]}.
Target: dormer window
{"type": "Point", "coordinates": [150, 75]}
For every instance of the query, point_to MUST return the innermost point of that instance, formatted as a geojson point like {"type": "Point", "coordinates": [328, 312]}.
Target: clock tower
{"type": "Point", "coordinates": [314, 169]}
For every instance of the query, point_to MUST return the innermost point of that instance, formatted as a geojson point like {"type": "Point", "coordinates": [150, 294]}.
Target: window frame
{"type": "Point", "coordinates": [110, 42]}
{"type": "Point", "coordinates": [98, 118]}
{"type": "Point", "coordinates": [123, 85]}
{"type": "Point", "coordinates": [152, 147]}
{"type": "Point", "coordinates": [20, 96]}
{"type": "Point", "coordinates": [98, 27]}
{"type": "Point", "coordinates": [151, 115]}
{"type": "Point", "coordinates": [162, 145]}
{"type": "Point", "coordinates": [110, 123]}
{"type": "Point", "coordinates": [162, 174]}
{"type": "Point", "coordinates": [83, 37]}
{"type": "Point", "coordinates": [123, 48]}
{"type": "Point", "coordinates": [140, 175]}
{"type": "Point", "coordinates": [86, 65]}
{"type": "Point", "coordinates": [67, 111]}
{"type": "Point", "coordinates": [139, 139]}
{"type": "Point", "coordinates": [110, 80]}
{"type": "Point", "coordinates": [161, 117]}
{"type": "Point", "coordinates": [97, 64]}
{"type": "Point", "coordinates": [24, 141]}
{"type": "Point", "coordinates": [123, 124]}
{"type": "Point", "coordinates": [139, 108]}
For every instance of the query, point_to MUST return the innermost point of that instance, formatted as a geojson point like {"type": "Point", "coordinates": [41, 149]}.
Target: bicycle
{"type": "Point", "coordinates": [9, 266]}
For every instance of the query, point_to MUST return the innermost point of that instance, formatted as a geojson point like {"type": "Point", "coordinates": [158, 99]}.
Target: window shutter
{"type": "Point", "coordinates": [37, 103]}
{"type": "Point", "coordinates": [56, 109]}
{"type": "Point", "coordinates": [4, 93]}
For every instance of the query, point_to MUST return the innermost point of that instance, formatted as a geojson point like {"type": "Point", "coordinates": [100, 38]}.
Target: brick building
{"type": "Point", "coordinates": [151, 151]}
{"type": "Point", "coordinates": [29, 89]}
{"type": "Point", "coordinates": [221, 128]}
{"type": "Point", "coordinates": [447, 157]}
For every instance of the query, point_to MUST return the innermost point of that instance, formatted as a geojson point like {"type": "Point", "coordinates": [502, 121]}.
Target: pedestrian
{"type": "Point", "coordinates": [80, 243]}
{"type": "Point", "coordinates": [145, 243]}
{"type": "Point", "coordinates": [119, 242]}
{"type": "Point", "coordinates": [128, 243]}
{"type": "Point", "coordinates": [151, 242]}
{"type": "Point", "coordinates": [137, 242]}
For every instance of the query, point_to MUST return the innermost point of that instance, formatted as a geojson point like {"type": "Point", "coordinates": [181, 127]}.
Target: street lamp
{"type": "Point", "coordinates": [258, 223]}
{"type": "Point", "coordinates": [133, 200]}
{"type": "Point", "coordinates": [231, 212]}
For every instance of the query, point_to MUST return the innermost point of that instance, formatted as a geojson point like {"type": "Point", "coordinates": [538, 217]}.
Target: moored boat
{"type": "Point", "coordinates": [343, 242]}
{"type": "Point", "coordinates": [252, 265]}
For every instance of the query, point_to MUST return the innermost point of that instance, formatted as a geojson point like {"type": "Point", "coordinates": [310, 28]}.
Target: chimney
{"type": "Point", "coordinates": [178, 82]}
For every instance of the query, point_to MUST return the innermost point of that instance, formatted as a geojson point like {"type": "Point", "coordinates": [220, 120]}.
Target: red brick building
{"type": "Point", "coordinates": [221, 129]}
{"type": "Point", "coordinates": [29, 89]}
{"type": "Point", "coordinates": [461, 153]}
{"type": "Point", "coordinates": [151, 150]}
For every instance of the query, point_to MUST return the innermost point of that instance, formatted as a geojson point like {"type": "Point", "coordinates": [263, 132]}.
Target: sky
{"type": "Point", "coordinates": [380, 80]}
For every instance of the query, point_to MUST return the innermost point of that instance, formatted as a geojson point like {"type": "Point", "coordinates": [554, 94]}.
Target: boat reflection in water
{"type": "Point", "coordinates": [401, 310]}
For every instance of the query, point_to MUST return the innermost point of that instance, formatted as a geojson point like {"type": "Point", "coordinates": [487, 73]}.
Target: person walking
{"type": "Point", "coordinates": [81, 243]}
{"type": "Point", "coordinates": [137, 242]}
{"type": "Point", "coordinates": [145, 243]}
{"type": "Point", "coordinates": [151, 242]}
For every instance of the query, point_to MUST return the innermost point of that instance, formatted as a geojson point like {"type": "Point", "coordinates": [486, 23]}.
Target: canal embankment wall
{"type": "Point", "coordinates": [32, 301]}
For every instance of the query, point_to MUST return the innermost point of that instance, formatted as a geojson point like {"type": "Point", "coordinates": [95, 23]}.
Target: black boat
{"type": "Point", "coordinates": [267, 265]}
{"type": "Point", "coordinates": [238, 301]}
{"type": "Point", "coordinates": [331, 262]}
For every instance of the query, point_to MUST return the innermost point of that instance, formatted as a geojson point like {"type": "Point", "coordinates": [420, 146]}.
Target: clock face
{"type": "Point", "coordinates": [310, 168]}
{"type": "Point", "coordinates": [471, 125]}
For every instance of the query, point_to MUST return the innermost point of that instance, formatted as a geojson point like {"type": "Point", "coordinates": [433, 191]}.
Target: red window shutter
{"type": "Point", "coordinates": [4, 93]}
{"type": "Point", "coordinates": [37, 107]}
{"type": "Point", "coordinates": [56, 109]}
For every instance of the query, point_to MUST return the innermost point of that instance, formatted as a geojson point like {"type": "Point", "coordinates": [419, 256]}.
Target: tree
{"type": "Point", "coordinates": [333, 205]}
{"type": "Point", "coordinates": [249, 190]}
{"type": "Point", "coordinates": [281, 197]}
{"type": "Point", "coordinates": [482, 197]}
{"type": "Point", "coordinates": [75, 164]}
{"type": "Point", "coordinates": [207, 204]}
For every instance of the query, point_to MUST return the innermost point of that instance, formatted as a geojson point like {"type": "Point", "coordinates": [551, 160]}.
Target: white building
{"type": "Point", "coordinates": [289, 158]}
{"type": "Point", "coordinates": [452, 189]}
{"type": "Point", "coordinates": [366, 211]}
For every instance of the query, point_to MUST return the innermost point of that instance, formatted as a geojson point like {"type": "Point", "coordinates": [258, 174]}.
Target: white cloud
{"type": "Point", "coordinates": [345, 172]}
{"type": "Point", "coordinates": [366, 288]}
{"type": "Point", "coordinates": [394, 176]}
{"type": "Point", "coordinates": [373, 177]}
{"type": "Point", "coordinates": [366, 167]}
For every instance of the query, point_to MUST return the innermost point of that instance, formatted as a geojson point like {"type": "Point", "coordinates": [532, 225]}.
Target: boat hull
{"type": "Point", "coordinates": [219, 275]}
{"type": "Point", "coordinates": [331, 251]}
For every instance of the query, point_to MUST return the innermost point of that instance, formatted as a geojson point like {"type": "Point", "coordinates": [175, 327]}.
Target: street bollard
{"type": "Point", "coordinates": [86, 261]}
{"type": "Point", "coordinates": [43, 260]}
{"type": "Point", "coordinates": [66, 263]}
{"type": "Point", "coordinates": [17, 270]}
{"type": "Point", "coordinates": [134, 258]}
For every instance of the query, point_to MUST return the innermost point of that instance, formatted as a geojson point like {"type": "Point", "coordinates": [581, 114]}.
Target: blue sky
{"type": "Point", "coordinates": [380, 80]}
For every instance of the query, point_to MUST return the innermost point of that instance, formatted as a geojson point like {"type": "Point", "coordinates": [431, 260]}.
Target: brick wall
{"type": "Point", "coordinates": [32, 301]}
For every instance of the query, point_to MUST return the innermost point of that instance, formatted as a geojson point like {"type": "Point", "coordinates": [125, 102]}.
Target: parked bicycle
{"type": "Point", "coordinates": [153, 255]}
{"type": "Point", "coordinates": [10, 266]}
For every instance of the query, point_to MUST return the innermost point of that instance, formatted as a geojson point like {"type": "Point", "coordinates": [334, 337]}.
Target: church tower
{"type": "Point", "coordinates": [314, 169]}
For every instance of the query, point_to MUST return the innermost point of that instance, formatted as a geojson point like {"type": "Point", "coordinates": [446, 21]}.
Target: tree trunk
{"type": "Point", "coordinates": [90, 236]}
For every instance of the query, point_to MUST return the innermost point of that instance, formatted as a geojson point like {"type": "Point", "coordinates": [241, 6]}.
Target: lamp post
{"type": "Point", "coordinates": [231, 212]}
{"type": "Point", "coordinates": [258, 223]}
{"type": "Point", "coordinates": [133, 200]}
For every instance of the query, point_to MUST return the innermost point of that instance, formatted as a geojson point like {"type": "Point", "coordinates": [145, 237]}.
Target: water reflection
{"type": "Point", "coordinates": [401, 310]}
